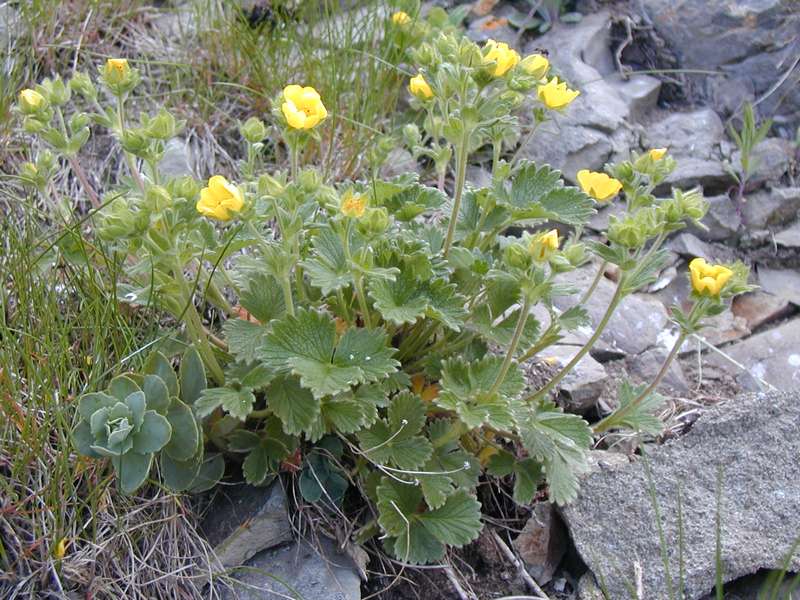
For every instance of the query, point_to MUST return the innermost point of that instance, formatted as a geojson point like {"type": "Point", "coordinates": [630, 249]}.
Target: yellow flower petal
{"type": "Point", "coordinates": [220, 200]}
{"type": "Point", "coordinates": [657, 153]}
{"type": "Point", "coordinates": [599, 186]}
{"type": "Point", "coordinates": [401, 18]}
{"type": "Point", "coordinates": [505, 58]}
{"type": "Point", "coordinates": [419, 87]}
{"type": "Point", "coordinates": [708, 280]}
{"type": "Point", "coordinates": [302, 107]}
{"type": "Point", "coordinates": [556, 95]}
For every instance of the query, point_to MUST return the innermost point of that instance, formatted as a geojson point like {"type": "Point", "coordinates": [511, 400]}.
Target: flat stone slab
{"type": "Point", "coordinates": [754, 439]}
{"type": "Point", "coordinates": [297, 571]}
{"type": "Point", "coordinates": [242, 520]}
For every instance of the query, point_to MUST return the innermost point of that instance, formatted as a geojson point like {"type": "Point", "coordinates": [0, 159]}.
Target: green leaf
{"type": "Point", "coordinates": [153, 435]}
{"type": "Point", "coordinates": [178, 475]}
{"type": "Point", "coordinates": [560, 442]}
{"type": "Point", "coordinates": [185, 434]}
{"type": "Point", "coordinates": [211, 471]}
{"type": "Point", "coordinates": [263, 298]}
{"type": "Point", "coordinates": [304, 345]}
{"type": "Point", "coordinates": [132, 470]}
{"type": "Point", "coordinates": [539, 193]}
{"type": "Point", "coordinates": [92, 402]}
{"type": "Point", "coordinates": [397, 502]}
{"type": "Point", "coordinates": [417, 546]}
{"type": "Point", "coordinates": [646, 271]}
{"type": "Point", "coordinates": [457, 522]}
{"type": "Point", "coordinates": [406, 299]}
{"type": "Point", "coordinates": [237, 403]}
{"type": "Point", "coordinates": [327, 268]}
{"type": "Point", "coordinates": [642, 417]}
{"type": "Point", "coordinates": [192, 376]}
{"type": "Point", "coordinates": [448, 468]}
{"type": "Point", "coordinates": [467, 390]}
{"type": "Point", "coordinates": [396, 441]}
{"type": "Point", "coordinates": [122, 386]}
{"type": "Point", "coordinates": [83, 440]}
{"type": "Point", "coordinates": [529, 475]}
{"type": "Point", "coordinates": [244, 338]}
{"type": "Point", "coordinates": [157, 364]}
{"type": "Point", "coordinates": [156, 392]}
{"type": "Point", "coordinates": [256, 466]}
{"type": "Point", "coordinates": [294, 405]}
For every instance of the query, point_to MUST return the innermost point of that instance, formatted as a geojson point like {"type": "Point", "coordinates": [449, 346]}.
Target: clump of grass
{"type": "Point", "coordinates": [63, 527]}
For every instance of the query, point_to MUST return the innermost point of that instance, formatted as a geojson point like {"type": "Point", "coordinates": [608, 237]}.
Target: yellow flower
{"type": "Point", "coordinates": [708, 280]}
{"type": "Point", "coordinates": [116, 70]}
{"type": "Point", "coordinates": [543, 245]}
{"type": "Point", "coordinates": [401, 18]}
{"type": "Point", "coordinates": [535, 65]}
{"type": "Point", "coordinates": [657, 153]}
{"type": "Point", "coordinates": [353, 205]}
{"type": "Point", "coordinates": [302, 107]}
{"type": "Point", "coordinates": [505, 58]}
{"type": "Point", "coordinates": [419, 87]}
{"type": "Point", "coordinates": [220, 200]}
{"type": "Point", "coordinates": [555, 94]}
{"type": "Point", "coordinates": [30, 101]}
{"type": "Point", "coordinates": [599, 186]}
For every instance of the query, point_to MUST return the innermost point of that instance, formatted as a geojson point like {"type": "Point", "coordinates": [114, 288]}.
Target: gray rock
{"type": "Point", "coordinates": [398, 162]}
{"type": "Point", "coordinates": [691, 172]}
{"type": "Point", "coordinates": [753, 440]}
{"type": "Point", "coordinates": [646, 365]}
{"type": "Point", "coordinates": [759, 307]}
{"type": "Point", "coordinates": [722, 220]}
{"type": "Point", "coordinates": [690, 246]}
{"type": "Point", "coordinates": [772, 356]}
{"type": "Point", "coordinates": [770, 160]}
{"type": "Point", "coordinates": [177, 160]}
{"type": "Point", "coordinates": [243, 520]}
{"type": "Point", "coordinates": [751, 41]}
{"type": "Point", "coordinates": [695, 134]}
{"type": "Point", "coordinates": [581, 388]}
{"type": "Point", "coordinates": [297, 571]}
{"type": "Point", "coordinates": [479, 177]}
{"type": "Point", "coordinates": [491, 27]}
{"type": "Point", "coordinates": [640, 92]}
{"type": "Point", "coordinates": [588, 588]}
{"type": "Point", "coordinates": [768, 208]}
{"type": "Point", "coordinates": [594, 128]}
{"type": "Point", "coordinates": [542, 542]}
{"type": "Point", "coordinates": [784, 283]}
{"type": "Point", "coordinates": [720, 329]}
{"type": "Point", "coordinates": [635, 325]}
{"type": "Point", "coordinates": [789, 237]}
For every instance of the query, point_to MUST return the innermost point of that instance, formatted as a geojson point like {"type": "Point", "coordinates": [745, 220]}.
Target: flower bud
{"type": "Point", "coordinates": [116, 71]}
{"type": "Point", "coordinates": [516, 256]}
{"type": "Point", "coordinates": [162, 126]}
{"type": "Point", "coordinates": [156, 198]}
{"type": "Point", "coordinates": [135, 142]}
{"type": "Point", "coordinates": [57, 91]}
{"type": "Point", "coordinates": [253, 130]}
{"type": "Point", "coordinates": [543, 245]}
{"type": "Point", "coordinates": [82, 84]}
{"type": "Point", "coordinates": [575, 253]}
{"type": "Point", "coordinates": [33, 125]}
{"type": "Point", "coordinates": [420, 88]}
{"type": "Point", "coordinates": [117, 220]}
{"type": "Point", "coordinates": [270, 186]}
{"type": "Point", "coordinates": [183, 187]}
{"type": "Point", "coordinates": [411, 135]}
{"type": "Point", "coordinates": [376, 221]}
{"type": "Point", "coordinates": [535, 65]}
{"type": "Point", "coordinates": [692, 203]}
{"type": "Point", "coordinates": [31, 102]}
{"type": "Point", "coordinates": [625, 233]}
{"type": "Point", "coordinates": [79, 121]}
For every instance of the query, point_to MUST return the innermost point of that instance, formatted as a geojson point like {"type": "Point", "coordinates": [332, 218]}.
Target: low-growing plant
{"type": "Point", "coordinates": [379, 326]}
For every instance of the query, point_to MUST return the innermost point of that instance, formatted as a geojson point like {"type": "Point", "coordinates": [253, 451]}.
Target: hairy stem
{"type": "Point", "coordinates": [512, 347]}
{"type": "Point", "coordinates": [461, 175]}
{"type": "Point", "coordinates": [615, 300]}
{"type": "Point", "coordinates": [617, 416]}
{"type": "Point", "coordinates": [129, 159]}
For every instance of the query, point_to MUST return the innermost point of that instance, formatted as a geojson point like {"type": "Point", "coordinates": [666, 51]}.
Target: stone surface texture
{"type": "Point", "coordinates": [242, 520]}
{"type": "Point", "coordinates": [753, 439]}
{"type": "Point", "coordinates": [297, 570]}
{"type": "Point", "coordinates": [542, 542]}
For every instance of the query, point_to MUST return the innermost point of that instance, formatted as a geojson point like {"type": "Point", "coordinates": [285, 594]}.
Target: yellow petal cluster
{"type": "Point", "coordinates": [657, 153]}
{"type": "Point", "coordinates": [708, 280]}
{"type": "Point", "coordinates": [30, 100]}
{"type": "Point", "coordinates": [535, 65]}
{"type": "Point", "coordinates": [599, 186]}
{"type": "Point", "coordinates": [353, 205]}
{"type": "Point", "coordinates": [117, 69]}
{"type": "Point", "coordinates": [401, 18]}
{"type": "Point", "coordinates": [543, 245]}
{"type": "Point", "coordinates": [302, 107]}
{"type": "Point", "coordinates": [503, 57]}
{"type": "Point", "coordinates": [220, 200]}
{"type": "Point", "coordinates": [555, 94]}
{"type": "Point", "coordinates": [419, 87]}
